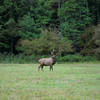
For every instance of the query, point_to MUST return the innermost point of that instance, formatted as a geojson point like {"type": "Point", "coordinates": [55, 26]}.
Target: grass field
{"type": "Point", "coordinates": [75, 81]}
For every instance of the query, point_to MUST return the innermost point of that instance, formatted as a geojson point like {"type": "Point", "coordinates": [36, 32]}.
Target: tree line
{"type": "Point", "coordinates": [39, 26]}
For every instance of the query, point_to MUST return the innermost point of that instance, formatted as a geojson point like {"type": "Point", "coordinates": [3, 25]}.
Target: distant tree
{"type": "Point", "coordinates": [45, 44]}
{"type": "Point", "coordinates": [29, 29]}
{"type": "Point", "coordinates": [91, 41]}
{"type": "Point", "coordinates": [10, 12]}
{"type": "Point", "coordinates": [24, 20]}
{"type": "Point", "coordinates": [74, 20]}
{"type": "Point", "coordinates": [42, 12]}
{"type": "Point", "coordinates": [96, 38]}
{"type": "Point", "coordinates": [88, 44]}
{"type": "Point", "coordinates": [94, 7]}
{"type": "Point", "coordinates": [9, 36]}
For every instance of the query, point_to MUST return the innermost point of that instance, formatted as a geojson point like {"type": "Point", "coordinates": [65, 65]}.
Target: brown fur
{"type": "Point", "coordinates": [47, 62]}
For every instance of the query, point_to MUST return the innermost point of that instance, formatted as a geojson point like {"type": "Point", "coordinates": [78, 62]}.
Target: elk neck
{"type": "Point", "coordinates": [54, 59]}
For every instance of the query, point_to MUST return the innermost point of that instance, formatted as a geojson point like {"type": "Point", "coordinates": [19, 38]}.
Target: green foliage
{"type": "Point", "coordinates": [22, 19]}
{"type": "Point", "coordinates": [23, 59]}
{"type": "Point", "coordinates": [20, 58]}
{"type": "Point", "coordinates": [22, 23]}
{"type": "Point", "coordinates": [44, 12]}
{"type": "Point", "coordinates": [96, 39]}
{"type": "Point", "coordinates": [91, 41]}
{"type": "Point", "coordinates": [88, 42]}
{"type": "Point", "coordinates": [45, 44]}
{"type": "Point", "coordinates": [74, 19]}
{"type": "Point", "coordinates": [10, 12]}
{"type": "Point", "coordinates": [94, 10]}
{"type": "Point", "coordinates": [29, 30]}
{"type": "Point", "coordinates": [77, 58]}
{"type": "Point", "coordinates": [8, 36]}
{"type": "Point", "coordinates": [41, 11]}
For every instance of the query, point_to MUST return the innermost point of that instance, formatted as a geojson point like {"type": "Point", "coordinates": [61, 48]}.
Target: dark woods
{"type": "Point", "coordinates": [39, 26]}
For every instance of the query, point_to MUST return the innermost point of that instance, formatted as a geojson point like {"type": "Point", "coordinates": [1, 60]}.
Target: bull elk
{"type": "Point", "coordinates": [47, 62]}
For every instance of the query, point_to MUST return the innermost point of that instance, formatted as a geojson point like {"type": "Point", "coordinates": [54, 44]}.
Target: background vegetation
{"type": "Point", "coordinates": [36, 27]}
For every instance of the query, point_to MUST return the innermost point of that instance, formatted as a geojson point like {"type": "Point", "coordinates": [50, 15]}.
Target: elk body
{"type": "Point", "coordinates": [47, 62]}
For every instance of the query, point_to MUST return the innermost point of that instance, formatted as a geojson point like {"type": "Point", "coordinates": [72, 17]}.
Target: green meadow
{"type": "Point", "coordinates": [76, 81]}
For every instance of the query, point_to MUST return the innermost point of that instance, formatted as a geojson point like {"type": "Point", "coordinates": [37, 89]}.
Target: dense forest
{"type": "Point", "coordinates": [36, 27]}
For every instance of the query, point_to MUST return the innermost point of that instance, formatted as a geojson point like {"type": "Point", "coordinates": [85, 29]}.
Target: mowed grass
{"type": "Point", "coordinates": [67, 82]}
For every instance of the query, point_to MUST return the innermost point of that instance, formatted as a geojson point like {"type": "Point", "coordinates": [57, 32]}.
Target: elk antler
{"type": "Point", "coordinates": [53, 52]}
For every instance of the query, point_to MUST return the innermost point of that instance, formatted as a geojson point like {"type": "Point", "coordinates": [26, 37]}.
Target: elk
{"type": "Point", "coordinates": [47, 62]}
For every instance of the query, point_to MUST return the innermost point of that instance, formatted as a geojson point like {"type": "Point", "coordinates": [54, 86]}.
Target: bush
{"type": "Point", "coordinates": [77, 58]}
{"type": "Point", "coordinates": [45, 44]}
{"type": "Point", "coordinates": [88, 42]}
{"type": "Point", "coordinates": [21, 58]}
{"type": "Point", "coordinates": [91, 41]}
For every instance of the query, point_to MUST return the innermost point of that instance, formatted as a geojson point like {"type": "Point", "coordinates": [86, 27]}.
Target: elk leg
{"type": "Point", "coordinates": [42, 68]}
{"type": "Point", "coordinates": [39, 68]}
{"type": "Point", "coordinates": [51, 68]}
